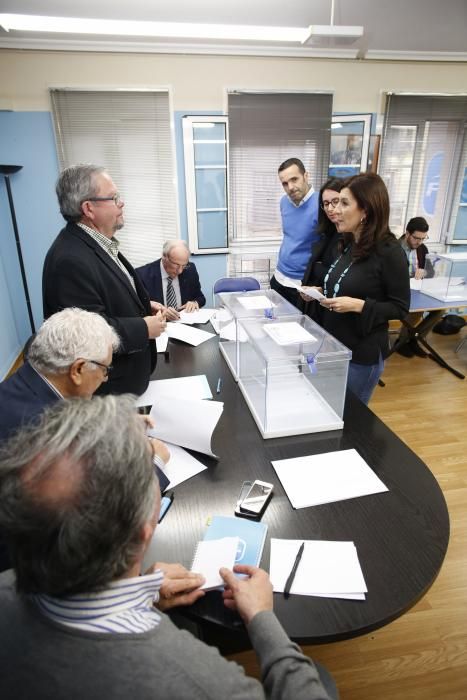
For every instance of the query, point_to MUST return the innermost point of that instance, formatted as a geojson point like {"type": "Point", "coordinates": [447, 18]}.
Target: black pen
{"type": "Point", "coordinates": [290, 580]}
{"type": "Point", "coordinates": [219, 384]}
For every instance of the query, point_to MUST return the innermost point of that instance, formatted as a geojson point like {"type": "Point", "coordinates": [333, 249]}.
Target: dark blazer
{"type": "Point", "coordinates": [78, 272]}
{"type": "Point", "coordinates": [23, 397]}
{"type": "Point", "coordinates": [190, 288]}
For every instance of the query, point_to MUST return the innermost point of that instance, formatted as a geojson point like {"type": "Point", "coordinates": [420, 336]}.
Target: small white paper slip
{"type": "Point", "coordinates": [196, 387]}
{"type": "Point", "coordinates": [181, 466]}
{"type": "Point", "coordinates": [325, 478]}
{"type": "Point", "coordinates": [193, 336]}
{"type": "Point", "coordinates": [288, 333]}
{"type": "Point", "coordinates": [162, 342]}
{"type": "Point", "coordinates": [327, 569]}
{"type": "Point", "coordinates": [312, 292]}
{"type": "Point", "coordinates": [198, 316]}
{"type": "Point", "coordinates": [210, 556]}
{"type": "Point", "coordinates": [257, 302]}
{"type": "Point", "coordinates": [416, 285]}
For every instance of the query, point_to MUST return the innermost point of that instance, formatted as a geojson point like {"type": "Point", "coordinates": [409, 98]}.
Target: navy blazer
{"type": "Point", "coordinates": [190, 287]}
{"type": "Point", "coordinates": [23, 397]}
{"type": "Point", "coordinates": [78, 272]}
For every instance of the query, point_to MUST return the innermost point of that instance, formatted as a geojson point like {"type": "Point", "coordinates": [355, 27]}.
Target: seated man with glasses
{"type": "Point", "coordinates": [69, 357]}
{"type": "Point", "coordinates": [173, 281]}
{"type": "Point", "coordinates": [413, 244]}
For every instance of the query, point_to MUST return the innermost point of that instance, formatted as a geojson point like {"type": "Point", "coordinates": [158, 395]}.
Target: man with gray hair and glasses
{"type": "Point", "coordinates": [79, 505]}
{"type": "Point", "coordinates": [84, 268]}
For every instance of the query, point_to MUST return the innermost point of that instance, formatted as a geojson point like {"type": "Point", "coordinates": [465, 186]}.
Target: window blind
{"type": "Point", "coordinates": [421, 157]}
{"type": "Point", "coordinates": [264, 130]}
{"type": "Point", "coordinates": [129, 134]}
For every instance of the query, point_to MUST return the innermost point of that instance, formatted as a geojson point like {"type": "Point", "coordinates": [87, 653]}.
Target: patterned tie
{"type": "Point", "coordinates": [170, 294]}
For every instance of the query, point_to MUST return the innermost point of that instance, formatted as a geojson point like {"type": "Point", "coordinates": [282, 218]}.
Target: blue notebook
{"type": "Point", "coordinates": [251, 534]}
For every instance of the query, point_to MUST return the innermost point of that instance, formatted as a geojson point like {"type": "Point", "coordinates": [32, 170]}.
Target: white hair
{"type": "Point", "coordinates": [69, 335]}
{"type": "Point", "coordinates": [170, 245]}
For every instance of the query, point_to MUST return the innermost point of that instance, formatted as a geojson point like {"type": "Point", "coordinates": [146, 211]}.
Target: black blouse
{"type": "Point", "coordinates": [382, 281]}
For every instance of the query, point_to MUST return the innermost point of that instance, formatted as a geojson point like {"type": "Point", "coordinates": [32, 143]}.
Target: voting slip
{"type": "Point", "coordinates": [332, 476]}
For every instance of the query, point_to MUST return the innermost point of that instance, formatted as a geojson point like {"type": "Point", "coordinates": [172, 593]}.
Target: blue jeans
{"type": "Point", "coordinates": [362, 379]}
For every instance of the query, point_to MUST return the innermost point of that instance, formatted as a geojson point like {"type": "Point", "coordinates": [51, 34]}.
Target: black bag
{"type": "Point", "coordinates": [449, 325]}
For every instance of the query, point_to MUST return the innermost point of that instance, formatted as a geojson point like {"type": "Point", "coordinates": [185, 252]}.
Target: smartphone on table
{"type": "Point", "coordinates": [255, 501]}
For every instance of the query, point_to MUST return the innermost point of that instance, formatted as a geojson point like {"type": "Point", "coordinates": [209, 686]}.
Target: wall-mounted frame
{"type": "Point", "coordinates": [205, 147]}
{"type": "Point", "coordinates": [350, 143]}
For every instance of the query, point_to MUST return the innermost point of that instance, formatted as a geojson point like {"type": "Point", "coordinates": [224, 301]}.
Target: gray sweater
{"type": "Point", "coordinates": [44, 660]}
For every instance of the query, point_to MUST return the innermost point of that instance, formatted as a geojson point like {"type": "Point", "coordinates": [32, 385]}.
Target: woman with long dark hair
{"type": "Point", "coordinates": [368, 283]}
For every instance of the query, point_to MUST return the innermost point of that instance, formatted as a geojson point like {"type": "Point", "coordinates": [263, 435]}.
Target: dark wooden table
{"type": "Point", "coordinates": [401, 536]}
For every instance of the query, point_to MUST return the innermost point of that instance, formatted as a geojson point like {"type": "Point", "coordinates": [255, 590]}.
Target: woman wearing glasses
{"type": "Point", "coordinates": [368, 283]}
{"type": "Point", "coordinates": [325, 250]}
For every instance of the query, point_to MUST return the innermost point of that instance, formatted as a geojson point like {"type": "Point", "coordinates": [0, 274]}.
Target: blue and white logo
{"type": "Point", "coordinates": [431, 188]}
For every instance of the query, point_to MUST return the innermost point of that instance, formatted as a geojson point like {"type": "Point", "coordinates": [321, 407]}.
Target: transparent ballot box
{"type": "Point", "coordinates": [450, 275]}
{"type": "Point", "coordinates": [293, 375]}
{"type": "Point", "coordinates": [234, 306]}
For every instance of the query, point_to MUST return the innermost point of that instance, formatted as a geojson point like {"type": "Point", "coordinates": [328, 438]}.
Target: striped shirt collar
{"type": "Point", "coordinates": [126, 606]}
{"type": "Point", "coordinates": [110, 245]}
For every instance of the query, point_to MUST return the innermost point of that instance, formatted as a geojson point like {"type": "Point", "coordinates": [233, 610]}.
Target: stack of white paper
{"type": "Point", "coordinates": [199, 316]}
{"type": "Point", "coordinates": [288, 333]}
{"type": "Point", "coordinates": [332, 476]}
{"type": "Point", "coordinates": [192, 336]}
{"type": "Point", "coordinates": [257, 302]}
{"type": "Point", "coordinates": [194, 387]}
{"type": "Point", "coordinates": [327, 569]}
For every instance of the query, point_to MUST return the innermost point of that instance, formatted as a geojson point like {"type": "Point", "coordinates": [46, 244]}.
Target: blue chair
{"type": "Point", "coordinates": [235, 284]}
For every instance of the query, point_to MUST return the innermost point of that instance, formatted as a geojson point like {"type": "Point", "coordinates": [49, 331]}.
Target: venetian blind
{"type": "Point", "coordinates": [129, 134]}
{"type": "Point", "coordinates": [421, 156]}
{"type": "Point", "coordinates": [264, 130]}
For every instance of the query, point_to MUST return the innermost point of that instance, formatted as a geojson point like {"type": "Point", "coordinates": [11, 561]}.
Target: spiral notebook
{"type": "Point", "coordinates": [210, 556]}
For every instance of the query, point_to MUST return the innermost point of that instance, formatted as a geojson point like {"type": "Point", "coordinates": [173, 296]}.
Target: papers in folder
{"type": "Point", "coordinates": [327, 569]}
{"type": "Point", "coordinates": [333, 476]}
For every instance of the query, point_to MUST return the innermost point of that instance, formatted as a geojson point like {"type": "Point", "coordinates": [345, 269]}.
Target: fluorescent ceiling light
{"type": "Point", "coordinates": [336, 125]}
{"type": "Point", "coordinates": [181, 30]}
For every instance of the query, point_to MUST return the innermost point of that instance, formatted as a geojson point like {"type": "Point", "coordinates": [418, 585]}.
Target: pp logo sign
{"type": "Point", "coordinates": [430, 192]}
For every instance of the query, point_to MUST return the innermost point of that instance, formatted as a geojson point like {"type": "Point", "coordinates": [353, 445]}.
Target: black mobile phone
{"type": "Point", "coordinates": [257, 498]}
{"type": "Point", "coordinates": [166, 502]}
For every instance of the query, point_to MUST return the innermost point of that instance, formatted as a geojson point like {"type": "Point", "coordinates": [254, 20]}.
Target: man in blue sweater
{"type": "Point", "coordinates": [299, 213]}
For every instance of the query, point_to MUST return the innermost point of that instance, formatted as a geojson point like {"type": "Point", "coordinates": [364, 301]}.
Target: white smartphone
{"type": "Point", "coordinates": [257, 498]}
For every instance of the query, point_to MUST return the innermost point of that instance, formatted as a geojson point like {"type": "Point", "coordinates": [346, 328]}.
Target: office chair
{"type": "Point", "coordinates": [234, 284]}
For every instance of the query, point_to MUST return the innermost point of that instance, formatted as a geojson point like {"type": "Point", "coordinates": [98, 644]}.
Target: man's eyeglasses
{"type": "Point", "coordinates": [419, 238]}
{"type": "Point", "coordinates": [333, 203]}
{"type": "Point", "coordinates": [115, 198]}
{"type": "Point", "coordinates": [105, 368]}
{"type": "Point", "coordinates": [175, 264]}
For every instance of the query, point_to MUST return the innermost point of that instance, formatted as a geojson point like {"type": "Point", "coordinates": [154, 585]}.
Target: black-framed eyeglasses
{"type": "Point", "coordinates": [105, 368]}
{"type": "Point", "coordinates": [175, 264]}
{"type": "Point", "coordinates": [333, 203]}
{"type": "Point", "coordinates": [418, 238]}
{"type": "Point", "coordinates": [115, 198]}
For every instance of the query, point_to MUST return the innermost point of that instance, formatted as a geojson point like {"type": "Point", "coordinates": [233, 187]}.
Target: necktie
{"type": "Point", "coordinates": [170, 294]}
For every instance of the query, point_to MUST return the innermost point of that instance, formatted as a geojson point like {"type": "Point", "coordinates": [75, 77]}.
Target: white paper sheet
{"type": "Point", "coordinates": [162, 341]}
{"type": "Point", "coordinates": [185, 422]}
{"type": "Point", "coordinates": [210, 556]}
{"type": "Point", "coordinates": [332, 476]}
{"type": "Point", "coordinates": [260, 301]}
{"type": "Point", "coordinates": [416, 285]}
{"type": "Point", "coordinates": [195, 387]}
{"type": "Point", "coordinates": [199, 316]}
{"type": "Point", "coordinates": [181, 466]}
{"type": "Point", "coordinates": [327, 569]}
{"type": "Point", "coordinates": [288, 333]}
{"type": "Point", "coordinates": [192, 336]}
{"type": "Point", "coordinates": [312, 292]}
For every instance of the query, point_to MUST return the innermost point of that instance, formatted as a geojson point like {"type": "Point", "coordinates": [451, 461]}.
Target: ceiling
{"type": "Point", "coordinates": [400, 29]}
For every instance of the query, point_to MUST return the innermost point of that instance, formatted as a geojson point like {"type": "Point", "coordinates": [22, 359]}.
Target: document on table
{"type": "Point", "coordinates": [162, 342]}
{"type": "Point", "coordinates": [259, 301]}
{"type": "Point", "coordinates": [192, 336]}
{"type": "Point", "coordinates": [199, 316]}
{"type": "Point", "coordinates": [288, 333]}
{"type": "Point", "coordinates": [327, 569]}
{"type": "Point", "coordinates": [186, 422]}
{"type": "Point", "coordinates": [416, 285]}
{"type": "Point", "coordinates": [195, 387]}
{"type": "Point", "coordinates": [328, 477]}
{"type": "Point", "coordinates": [181, 466]}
